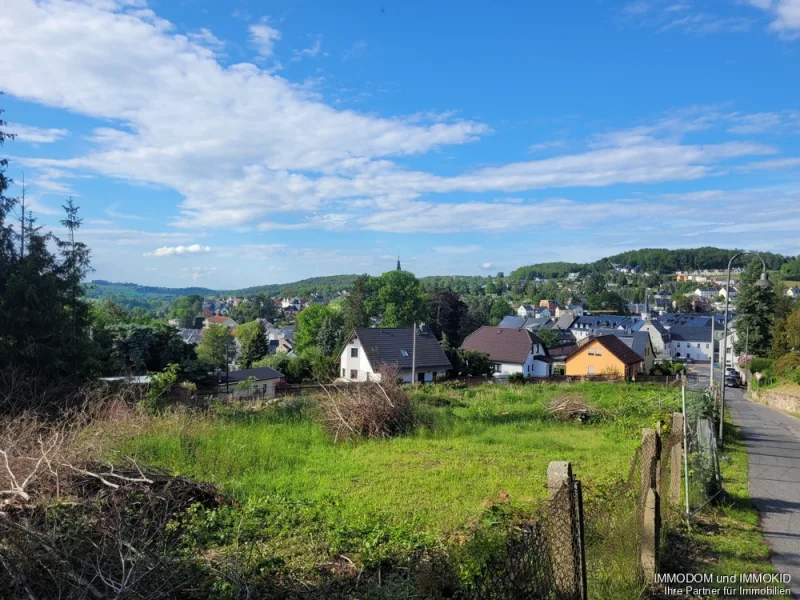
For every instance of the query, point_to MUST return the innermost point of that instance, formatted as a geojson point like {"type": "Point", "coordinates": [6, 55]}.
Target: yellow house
{"type": "Point", "coordinates": [603, 355]}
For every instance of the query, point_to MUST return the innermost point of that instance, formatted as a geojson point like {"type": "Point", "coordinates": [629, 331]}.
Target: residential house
{"type": "Point", "coordinates": [691, 342]}
{"type": "Point", "coordinates": [511, 351]}
{"type": "Point", "coordinates": [529, 323]}
{"type": "Point", "coordinates": [264, 381]}
{"type": "Point", "coordinates": [575, 310]}
{"type": "Point", "coordinates": [367, 349]}
{"type": "Point", "coordinates": [659, 336]}
{"type": "Point", "coordinates": [793, 292]}
{"type": "Point", "coordinates": [638, 341]}
{"type": "Point", "coordinates": [220, 320]}
{"type": "Point", "coordinates": [707, 293]}
{"type": "Point", "coordinates": [190, 336]}
{"type": "Point", "coordinates": [728, 292]}
{"type": "Point", "coordinates": [280, 346]}
{"type": "Point", "coordinates": [543, 313]}
{"type": "Point", "coordinates": [550, 305]}
{"type": "Point", "coordinates": [604, 355]}
{"type": "Point", "coordinates": [526, 310]}
{"type": "Point", "coordinates": [573, 276]}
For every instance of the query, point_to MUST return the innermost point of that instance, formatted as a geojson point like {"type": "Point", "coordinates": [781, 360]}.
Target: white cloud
{"type": "Point", "coordinates": [357, 50]}
{"type": "Point", "coordinates": [770, 165]}
{"type": "Point", "coordinates": [197, 272]}
{"type": "Point", "coordinates": [785, 15]}
{"type": "Point", "coordinates": [468, 249]}
{"type": "Point", "coordinates": [314, 50]}
{"type": "Point", "coordinates": [283, 159]}
{"type": "Point", "coordinates": [179, 250]}
{"type": "Point", "coordinates": [263, 38]}
{"type": "Point", "coordinates": [35, 135]}
{"type": "Point", "coordinates": [112, 211]}
{"type": "Point", "coordinates": [487, 265]}
{"type": "Point", "coordinates": [206, 38]}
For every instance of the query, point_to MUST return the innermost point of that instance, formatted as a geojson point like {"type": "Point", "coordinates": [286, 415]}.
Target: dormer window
{"type": "Point", "coordinates": [404, 352]}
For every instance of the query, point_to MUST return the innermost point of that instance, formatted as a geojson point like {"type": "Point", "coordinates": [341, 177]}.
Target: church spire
{"type": "Point", "coordinates": [398, 263]}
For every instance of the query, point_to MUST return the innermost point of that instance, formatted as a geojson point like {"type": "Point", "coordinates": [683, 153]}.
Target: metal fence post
{"type": "Point", "coordinates": [581, 538]}
{"type": "Point", "coordinates": [649, 457]}
{"type": "Point", "coordinates": [562, 528]}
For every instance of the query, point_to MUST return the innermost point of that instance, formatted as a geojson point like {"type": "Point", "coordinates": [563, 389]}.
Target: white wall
{"type": "Point", "coordinates": [264, 387]}
{"type": "Point", "coordinates": [682, 349]}
{"type": "Point", "coordinates": [360, 363]}
{"type": "Point", "coordinates": [530, 368]}
{"type": "Point", "coordinates": [655, 338]}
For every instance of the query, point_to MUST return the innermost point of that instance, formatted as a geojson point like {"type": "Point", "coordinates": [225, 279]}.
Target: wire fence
{"type": "Point", "coordinates": [541, 558]}
{"type": "Point", "coordinates": [702, 479]}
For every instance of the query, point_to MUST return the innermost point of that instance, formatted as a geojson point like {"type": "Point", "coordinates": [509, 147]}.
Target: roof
{"type": "Point", "coordinates": [137, 379]}
{"type": "Point", "coordinates": [502, 344]}
{"type": "Point", "coordinates": [690, 334]}
{"type": "Point", "coordinates": [593, 321]}
{"type": "Point", "coordinates": [385, 346]}
{"type": "Point", "coordinates": [260, 374]}
{"type": "Point", "coordinates": [219, 320]}
{"type": "Point", "coordinates": [564, 321]}
{"type": "Point", "coordinates": [658, 326]}
{"type": "Point", "coordinates": [191, 336]}
{"type": "Point", "coordinates": [531, 323]}
{"type": "Point", "coordinates": [613, 344]}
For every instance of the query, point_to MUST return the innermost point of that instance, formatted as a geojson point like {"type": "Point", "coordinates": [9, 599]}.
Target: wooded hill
{"type": "Point", "coordinates": [654, 260]}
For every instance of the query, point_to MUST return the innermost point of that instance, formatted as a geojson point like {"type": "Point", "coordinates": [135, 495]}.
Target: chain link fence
{"type": "Point", "coordinates": [541, 558]}
{"type": "Point", "coordinates": [702, 479]}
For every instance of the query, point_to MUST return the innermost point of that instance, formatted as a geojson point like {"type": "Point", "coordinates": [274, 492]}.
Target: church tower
{"type": "Point", "coordinates": [398, 263]}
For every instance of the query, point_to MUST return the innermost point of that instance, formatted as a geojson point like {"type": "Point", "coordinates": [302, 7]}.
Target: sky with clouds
{"type": "Point", "coordinates": [242, 143]}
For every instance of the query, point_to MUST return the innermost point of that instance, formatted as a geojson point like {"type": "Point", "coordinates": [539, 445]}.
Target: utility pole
{"type": "Point", "coordinates": [746, 347]}
{"type": "Point", "coordinates": [711, 383]}
{"type": "Point", "coordinates": [414, 353]}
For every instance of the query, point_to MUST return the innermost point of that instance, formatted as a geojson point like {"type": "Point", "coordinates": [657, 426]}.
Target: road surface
{"type": "Point", "coordinates": [773, 449]}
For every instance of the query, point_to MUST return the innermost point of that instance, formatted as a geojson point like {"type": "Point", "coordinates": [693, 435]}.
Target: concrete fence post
{"type": "Point", "coordinates": [651, 533]}
{"type": "Point", "coordinates": [676, 456]}
{"type": "Point", "coordinates": [562, 529]}
{"type": "Point", "coordinates": [649, 458]}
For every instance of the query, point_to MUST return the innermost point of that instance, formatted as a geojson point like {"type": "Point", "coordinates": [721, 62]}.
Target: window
{"type": "Point", "coordinates": [708, 346]}
{"type": "Point", "coordinates": [678, 345]}
{"type": "Point", "coordinates": [497, 368]}
{"type": "Point", "coordinates": [404, 352]}
{"type": "Point", "coordinates": [591, 352]}
{"type": "Point", "coordinates": [342, 371]}
{"type": "Point", "coordinates": [353, 373]}
{"type": "Point", "coordinates": [590, 370]}
{"type": "Point", "coordinates": [598, 352]}
{"type": "Point", "coordinates": [698, 345]}
{"type": "Point", "coordinates": [353, 352]}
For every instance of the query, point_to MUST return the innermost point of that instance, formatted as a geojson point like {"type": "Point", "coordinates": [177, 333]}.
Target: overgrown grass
{"type": "Point", "coordinates": [477, 459]}
{"type": "Point", "coordinates": [470, 445]}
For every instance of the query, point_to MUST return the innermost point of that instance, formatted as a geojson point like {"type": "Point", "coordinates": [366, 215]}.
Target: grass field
{"type": "Point", "coordinates": [477, 461]}
{"type": "Point", "coordinates": [473, 445]}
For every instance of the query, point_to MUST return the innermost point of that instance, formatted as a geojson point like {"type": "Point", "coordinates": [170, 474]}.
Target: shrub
{"type": "Point", "coordinates": [759, 364]}
{"type": "Point", "coordinates": [516, 378]}
{"type": "Point", "coordinates": [369, 410]}
{"type": "Point", "coordinates": [787, 363]}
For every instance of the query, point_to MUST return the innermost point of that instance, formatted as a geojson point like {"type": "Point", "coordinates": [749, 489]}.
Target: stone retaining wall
{"type": "Point", "coordinates": [785, 402]}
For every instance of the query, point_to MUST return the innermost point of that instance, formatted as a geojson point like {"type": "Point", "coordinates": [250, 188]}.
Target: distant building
{"type": "Point", "coordinates": [691, 342]}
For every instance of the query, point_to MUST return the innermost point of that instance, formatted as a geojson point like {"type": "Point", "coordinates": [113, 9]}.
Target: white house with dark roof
{"type": "Point", "coordinates": [511, 351]}
{"type": "Point", "coordinates": [691, 342]}
{"type": "Point", "coordinates": [367, 349]}
{"type": "Point", "coordinates": [526, 310]}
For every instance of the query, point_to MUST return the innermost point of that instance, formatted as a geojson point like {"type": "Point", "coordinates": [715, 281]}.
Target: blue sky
{"type": "Point", "coordinates": [242, 143]}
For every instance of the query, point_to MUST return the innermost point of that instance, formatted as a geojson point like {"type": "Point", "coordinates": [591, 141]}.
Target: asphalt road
{"type": "Point", "coordinates": [773, 448]}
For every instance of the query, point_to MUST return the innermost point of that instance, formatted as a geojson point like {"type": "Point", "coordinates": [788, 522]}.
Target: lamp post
{"type": "Point", "coordinates": [763, 282]}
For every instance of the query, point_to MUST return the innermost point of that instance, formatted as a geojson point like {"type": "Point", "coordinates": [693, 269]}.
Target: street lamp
{"type": "Point", "coordinates": [763, 282]}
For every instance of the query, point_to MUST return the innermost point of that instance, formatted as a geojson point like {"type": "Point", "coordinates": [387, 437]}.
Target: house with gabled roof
{"type": "Point", "coordinates": [603, 355]}
{"type": "Point", "coordinates": [368, 349]}
{"type": "Point", "coordinates": [511, 351]}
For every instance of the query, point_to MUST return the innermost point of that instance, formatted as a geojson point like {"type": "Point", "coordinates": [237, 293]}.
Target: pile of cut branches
{"type": "Point", "coordinates": [369, 409]}
{"type": "Point", "coordinates": [571, 408]}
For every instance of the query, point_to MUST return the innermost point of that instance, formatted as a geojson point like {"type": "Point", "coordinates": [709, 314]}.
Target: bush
{"type": "Point", "coordinates": [368, 410]}
{"type": "Point", "coordinates": [787, 363]}
{"type": "Point", "coordinates": [516, 378]}
{"type": "Point", "coordinates": [759, 364]}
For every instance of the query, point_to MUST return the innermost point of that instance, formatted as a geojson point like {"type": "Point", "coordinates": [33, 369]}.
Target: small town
{"type": "Point", "coordinates": [304, 300]}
